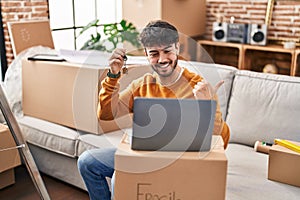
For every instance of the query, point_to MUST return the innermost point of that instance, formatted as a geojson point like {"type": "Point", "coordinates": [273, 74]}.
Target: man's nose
{"type": "Point", "coordinates": [162, 57]}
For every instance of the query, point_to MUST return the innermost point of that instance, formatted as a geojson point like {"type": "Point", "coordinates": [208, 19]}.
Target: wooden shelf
{"type": "Point", "coordinates": [253, 57]}
{"type": "Point", "coordinates": [230, 54]}
{"type": "Point", "coordinates": [256, 57]}
{"type": "Point", "coordinates": [270, 48]}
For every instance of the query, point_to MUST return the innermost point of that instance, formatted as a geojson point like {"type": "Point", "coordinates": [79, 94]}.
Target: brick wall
{"type": "Point", "coordinates": [21, 10]}
{"type": "Point", "coordinates": [285, 21]}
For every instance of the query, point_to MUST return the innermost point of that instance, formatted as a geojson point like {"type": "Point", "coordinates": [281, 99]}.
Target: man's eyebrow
{"type": "Point", "coordinates": [154, 50]}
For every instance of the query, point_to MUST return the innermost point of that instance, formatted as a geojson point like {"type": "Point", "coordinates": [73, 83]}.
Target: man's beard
{"type": "Point", "coordinates": [154, 67]}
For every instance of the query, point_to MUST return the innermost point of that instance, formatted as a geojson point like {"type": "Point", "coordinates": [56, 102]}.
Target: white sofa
{"type": "Point", "coordinates": [256, 106]}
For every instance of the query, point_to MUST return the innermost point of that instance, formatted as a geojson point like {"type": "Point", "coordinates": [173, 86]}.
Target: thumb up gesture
{"type": "Point", "coordinates": [204, 90]}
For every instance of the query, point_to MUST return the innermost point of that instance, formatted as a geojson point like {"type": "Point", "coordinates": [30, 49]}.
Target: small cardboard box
{"type": "Point", "coordinates": [284, 165]}
{"type": "Point", "coordinates": [9, 157]}
{"type": "Point", "coordinates": [7, 178]}
{"type": "Point", "coordinates": [26, 34]}
{"type": "Point", "coordinates": [170, 175]}
{"type": "Point", "coordinates": [67, 94]}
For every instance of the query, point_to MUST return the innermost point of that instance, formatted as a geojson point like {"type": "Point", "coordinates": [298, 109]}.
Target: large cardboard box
{"type": "Point", "coordinates": [67, 94]}
{"type": "Point", "coordinates": [188, 16]}
{"type": "Point", "coordinates": [9, 157]}
{"type": "Point", "coordinates": [284, 165]}
{"type": "Point", "coordinates": [170, 175]}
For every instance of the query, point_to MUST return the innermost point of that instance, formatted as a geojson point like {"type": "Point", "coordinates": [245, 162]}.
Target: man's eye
{"type": "Point", "coordinates": [153, 54]}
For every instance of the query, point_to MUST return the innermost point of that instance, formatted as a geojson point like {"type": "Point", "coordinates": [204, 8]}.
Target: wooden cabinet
{"type": "Point", "coordinates": [254, 58]}
{"type": "Point", "coordinates": [223, 53]}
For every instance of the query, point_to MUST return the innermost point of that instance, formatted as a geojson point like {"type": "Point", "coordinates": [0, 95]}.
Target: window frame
{"type": "Point", "coordinates": [75, 29]}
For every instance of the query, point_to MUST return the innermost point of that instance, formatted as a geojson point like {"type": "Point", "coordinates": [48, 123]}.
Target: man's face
{"type": "Point", "coordinates": [163, 59]}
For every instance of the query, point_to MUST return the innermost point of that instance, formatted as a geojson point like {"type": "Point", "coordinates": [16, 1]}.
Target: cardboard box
{"type": "Point", "coordinates": [7, 178]}
{"type": "Point", "coordinates": [67, 94]}
{"type": "Point", "coordinates": [192, 24]}
{"type": "Point", "coordinates": [26, 34]}
{"type": "Point", "coordinates": [284, 165]}
{"type": "Point", "coordinates": [8, 158]}
{"type": "Point", "coordinates": [170, 175]}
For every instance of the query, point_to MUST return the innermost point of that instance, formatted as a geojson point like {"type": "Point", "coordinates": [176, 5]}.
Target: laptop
{"type": "Point", "coordinates": [167, 124]}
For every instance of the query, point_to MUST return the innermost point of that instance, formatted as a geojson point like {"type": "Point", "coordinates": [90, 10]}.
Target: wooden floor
{"type": "Point", "coordinates": [24, 189]}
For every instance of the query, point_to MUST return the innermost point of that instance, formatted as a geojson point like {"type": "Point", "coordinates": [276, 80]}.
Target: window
{"type": "Point", "coordinates": [69, 16]}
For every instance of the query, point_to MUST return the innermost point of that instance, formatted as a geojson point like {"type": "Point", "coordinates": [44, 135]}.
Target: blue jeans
{"type": "Point", "coordinates": [94, 166]}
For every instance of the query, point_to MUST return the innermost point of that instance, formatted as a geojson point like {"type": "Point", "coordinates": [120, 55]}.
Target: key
{"type": "Point", "coordinates": [125, 69]}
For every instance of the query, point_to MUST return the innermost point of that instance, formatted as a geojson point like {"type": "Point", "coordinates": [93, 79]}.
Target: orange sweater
{"type": "Point", "coordinates": [113, 104]}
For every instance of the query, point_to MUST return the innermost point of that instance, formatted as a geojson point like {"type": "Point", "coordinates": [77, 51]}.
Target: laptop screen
{"type": "Point", "coordinates": [168, 124]}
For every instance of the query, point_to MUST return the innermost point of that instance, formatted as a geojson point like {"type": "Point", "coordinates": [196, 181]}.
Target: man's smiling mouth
{"type": "Point", "coordinates": [163, 66]}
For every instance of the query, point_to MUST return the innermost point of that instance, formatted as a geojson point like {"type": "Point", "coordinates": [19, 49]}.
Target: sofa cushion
{"type": "Point", "coordinates": [264, 107]}
{"type": "Point", "coordinates": [49, 136]}
{"type": "Point", "coordinates": [91, 141]}
{"type": "Point", "coordinates": [214, 73]}
{"type": "Point", "coordinates": [247, 176]}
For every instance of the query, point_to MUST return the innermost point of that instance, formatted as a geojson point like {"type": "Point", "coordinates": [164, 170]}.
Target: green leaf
{"type": "Point", "coordinates": [93, 23]}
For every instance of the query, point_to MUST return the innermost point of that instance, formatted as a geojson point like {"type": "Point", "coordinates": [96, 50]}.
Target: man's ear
{"type": "Point", "coordinates": [177, 46]}
{"type": "Point", "coordinates": [145, 52]}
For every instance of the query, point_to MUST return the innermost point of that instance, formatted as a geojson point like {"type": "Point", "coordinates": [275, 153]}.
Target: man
{"type": "Point", "coordinates": [161, 44]}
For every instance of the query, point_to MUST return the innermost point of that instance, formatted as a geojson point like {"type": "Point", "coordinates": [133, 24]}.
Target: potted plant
{"type": "Point", "coordinates": [112, 35]}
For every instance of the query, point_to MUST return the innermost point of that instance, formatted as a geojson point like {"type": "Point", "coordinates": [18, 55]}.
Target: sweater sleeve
{"type": "Point", "coordinates": [220, 126]}
{"type": "Point", "coordinates": [110, 105]}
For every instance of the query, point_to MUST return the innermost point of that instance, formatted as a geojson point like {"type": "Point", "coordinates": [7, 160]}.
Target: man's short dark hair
{"type": "Point", "coordinates": [158, 33]}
